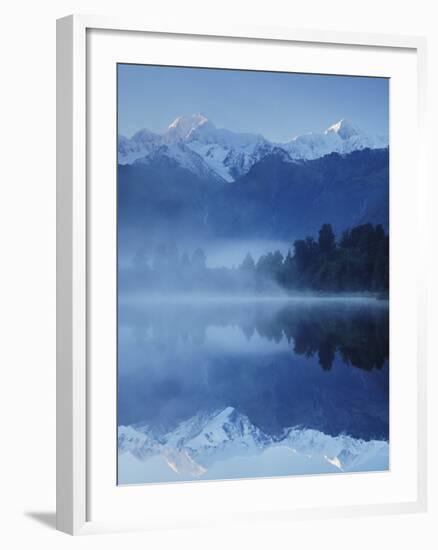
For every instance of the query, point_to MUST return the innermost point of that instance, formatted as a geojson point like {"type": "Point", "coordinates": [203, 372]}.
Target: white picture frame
{"type": "Point", "coordinates": [74, 284]}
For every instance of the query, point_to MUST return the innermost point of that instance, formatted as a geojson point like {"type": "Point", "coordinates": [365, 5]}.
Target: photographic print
{"type": "Point", "coordinates": [253, 274]}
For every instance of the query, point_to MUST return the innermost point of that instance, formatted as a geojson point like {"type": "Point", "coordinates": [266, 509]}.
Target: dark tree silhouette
{"type": "Point", "coordinates": [359, 262]}
{"type": "Point", "coordinates": [327, 239]}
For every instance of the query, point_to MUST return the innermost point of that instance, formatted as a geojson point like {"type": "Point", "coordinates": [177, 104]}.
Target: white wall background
{"type": "Point", "coordinates": [27, 272]}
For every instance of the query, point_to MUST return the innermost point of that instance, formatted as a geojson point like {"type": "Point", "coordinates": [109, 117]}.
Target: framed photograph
{"type": "Point", "coordinates": [241, 320]}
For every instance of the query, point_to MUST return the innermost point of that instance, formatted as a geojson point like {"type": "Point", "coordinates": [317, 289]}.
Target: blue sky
{"type": "Point", "coordinates": [277, 105]}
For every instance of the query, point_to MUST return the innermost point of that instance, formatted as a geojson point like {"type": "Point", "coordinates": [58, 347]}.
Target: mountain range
{"type": "Point", "coordinates": [201, 183]}
{"type": "Point", "coordinates": [198, 444]}
{"type": "Point", "coordinates": [196, 144]}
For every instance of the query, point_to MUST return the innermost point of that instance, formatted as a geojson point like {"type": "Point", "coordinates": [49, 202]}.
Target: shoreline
{"type": "Point", "coordinates": [356, 298]}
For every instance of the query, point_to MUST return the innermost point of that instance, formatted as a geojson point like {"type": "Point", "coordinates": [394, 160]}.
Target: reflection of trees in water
{"type": "Point", "coordinates": [361, 337]}
{"type": "Point", "coordinates": [359, 334]}
{"type": "Point", "coordinates": [181, 370]}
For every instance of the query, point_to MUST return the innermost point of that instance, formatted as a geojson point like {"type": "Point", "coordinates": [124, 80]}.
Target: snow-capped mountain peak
{"type": "Point", "coordinates": [344, 129]}
{"type": "Point", "coordinates": [141, 144]}
{"type": "Point", "coordinates": [183, 126]}
{"type": "Point", "coordinates": [342, 137]}
{"type": "Point", "coordinates": [144, 136]}
{"type": "Point", "coordinates": [230, 155]}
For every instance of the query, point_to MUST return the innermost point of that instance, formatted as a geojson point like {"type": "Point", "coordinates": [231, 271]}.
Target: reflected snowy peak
{"type": "Point", "coordinates": [225, 438]}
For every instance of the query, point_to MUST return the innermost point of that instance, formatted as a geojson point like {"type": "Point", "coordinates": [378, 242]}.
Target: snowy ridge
{"type": "Point", "coordinates": [198, 443]}
{"type": "Point", "coordinates": [140, 145]}
{"type": "Point", "coordinates": [342, 137]}
{"type": "Point", "coordinates": [231, 154]}
{"type": "Point", "coordinates": [182, 156]}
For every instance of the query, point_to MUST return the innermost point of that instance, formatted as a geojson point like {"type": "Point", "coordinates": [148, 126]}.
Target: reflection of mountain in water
{"type": "Point", "coordinates": [315, 364]}
{"type": "Point", "coordinates": [197, 445]}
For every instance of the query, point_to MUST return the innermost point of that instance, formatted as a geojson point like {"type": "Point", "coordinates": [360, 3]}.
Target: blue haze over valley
{"type": "Point", "coordinates": [253, 280]}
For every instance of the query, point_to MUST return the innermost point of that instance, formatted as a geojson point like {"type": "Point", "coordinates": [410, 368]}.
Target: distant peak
{"type": "Point", "coordinates": [196, 118]}
{"type": "Point", "coordinates": [344, 128]}
{"type": "Point", "coordinates": [144, 135]}
{"type": "Point", "coordinates": [183, 126]}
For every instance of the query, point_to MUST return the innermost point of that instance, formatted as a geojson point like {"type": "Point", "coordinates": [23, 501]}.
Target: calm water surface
{"type": "Point", "coordinates": [218, 389]}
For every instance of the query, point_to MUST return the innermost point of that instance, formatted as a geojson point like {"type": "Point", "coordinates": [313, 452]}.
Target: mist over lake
{"type": "Point", "coordinates": [253, 285]}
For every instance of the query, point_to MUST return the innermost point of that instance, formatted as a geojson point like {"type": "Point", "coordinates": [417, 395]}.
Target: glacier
{"type": "Point", "coordinates": [195, 143]}
{"type": "Point", "coordinates": [224, 444]}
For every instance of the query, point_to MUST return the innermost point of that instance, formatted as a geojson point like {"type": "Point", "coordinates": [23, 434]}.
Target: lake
{"type": "Point", "coordinates": [220, 388]}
